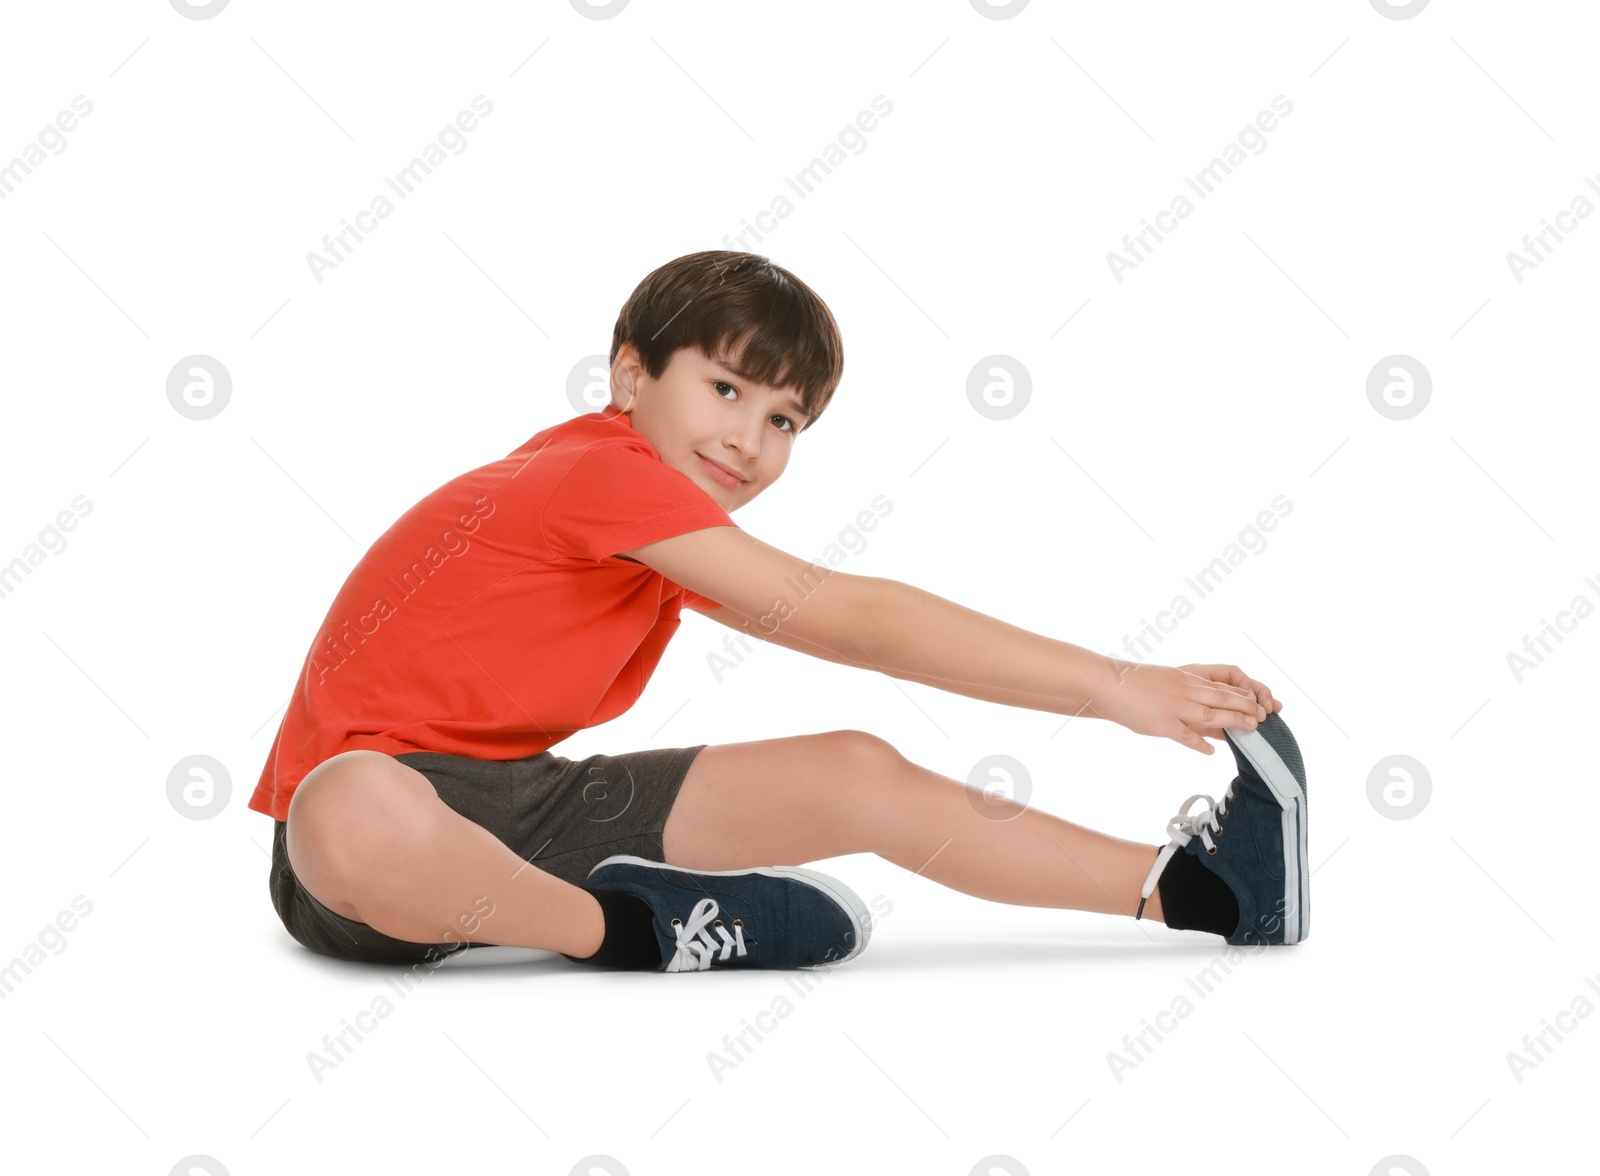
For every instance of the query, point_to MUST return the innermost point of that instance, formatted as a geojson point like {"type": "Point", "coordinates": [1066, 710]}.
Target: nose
{"type": "Point", "coordinates": [745, 436]}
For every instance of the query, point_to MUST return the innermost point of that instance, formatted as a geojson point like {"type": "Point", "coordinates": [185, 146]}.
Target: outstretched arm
{"type": "Point", "coordinates": [1187, 704]}
{"type": "Point", "coordinates": [743, 624]}
{"type": "Point", "coordinates": [924, 633]}
{"type": "Point", "coordinates": [900, 629]}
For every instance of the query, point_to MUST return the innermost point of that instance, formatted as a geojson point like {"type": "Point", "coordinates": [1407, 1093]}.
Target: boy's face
{"type": "Point", "coordinates": [702, 411]}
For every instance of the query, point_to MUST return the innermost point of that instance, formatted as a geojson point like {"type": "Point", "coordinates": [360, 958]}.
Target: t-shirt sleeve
{"type": "Point", "coordinates": [616, 497]}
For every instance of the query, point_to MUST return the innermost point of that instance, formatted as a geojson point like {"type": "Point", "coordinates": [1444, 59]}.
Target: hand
{"type": "Point", "coordinates": [1236, 677]}
{"type": "Point", "coordinates": [1187, 704]}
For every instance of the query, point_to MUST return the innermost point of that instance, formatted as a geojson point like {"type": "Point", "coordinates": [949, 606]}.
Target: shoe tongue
{"type": "Point", "coordinates": [1248, 781]}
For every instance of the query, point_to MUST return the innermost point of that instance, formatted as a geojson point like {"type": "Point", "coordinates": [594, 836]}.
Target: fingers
{"type": "Point", "coordinates": [1262, 694]}
{"type": "Point", "coordinates": [1210, 721]}
{"type": "Point", "coordinates": [1259, 689]}
{"type": "Point", "coordinates": [1237, 702]}
{"type": "Point", "coordinates": [1235, 677]}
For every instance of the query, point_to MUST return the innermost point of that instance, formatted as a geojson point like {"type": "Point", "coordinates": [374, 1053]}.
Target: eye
{"type": "Point", "coordinates": [717, 385]}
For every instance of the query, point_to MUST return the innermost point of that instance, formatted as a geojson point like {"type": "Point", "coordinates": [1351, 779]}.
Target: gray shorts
{"type": "Point", "coordinates": [562, 815]}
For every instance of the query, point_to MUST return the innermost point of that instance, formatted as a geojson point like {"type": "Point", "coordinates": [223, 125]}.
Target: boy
{"type": "Point", "coordinates": [418, 809]}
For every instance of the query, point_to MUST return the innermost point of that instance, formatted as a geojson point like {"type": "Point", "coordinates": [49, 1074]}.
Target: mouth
{"type": "Point", "coordinates": [721, 473]}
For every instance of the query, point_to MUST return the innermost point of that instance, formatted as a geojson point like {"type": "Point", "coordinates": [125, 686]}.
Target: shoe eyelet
{"type": "Point", "coordinates": [1220, 830]}
{"type": "Point", "coordinates": [1211, 849]}
{"type": "Point", "coordinates": [677, 923]}
{"type": "Point", "coordinates": [738, 922]}
{"type": "Point", "coordinates": [717, 923]}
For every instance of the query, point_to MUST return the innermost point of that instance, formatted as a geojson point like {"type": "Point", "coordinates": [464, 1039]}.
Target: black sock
{"type": "Point", "coordinates": [630, 937]}
{"type": "Point", "coordinates": [1195, 899]}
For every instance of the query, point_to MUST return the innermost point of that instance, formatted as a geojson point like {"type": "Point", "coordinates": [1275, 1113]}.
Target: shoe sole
{"type": "Point", "coordinates": [1275, 774]}
{"type": "Point", "coordinates": [832, 887]}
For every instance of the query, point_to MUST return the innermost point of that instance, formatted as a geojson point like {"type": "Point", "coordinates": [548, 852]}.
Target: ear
{"type": "Point", "coordinates": [625, 374]}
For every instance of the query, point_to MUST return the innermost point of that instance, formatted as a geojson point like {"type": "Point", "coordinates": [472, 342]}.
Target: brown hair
{"type": "Point", "coordinates": [739, 307]}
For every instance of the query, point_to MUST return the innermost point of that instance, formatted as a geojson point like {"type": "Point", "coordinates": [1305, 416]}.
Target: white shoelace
{"type": "Point", "coordinates": [695, 945]}
{"type": "Point", "coordinates": [1183, 828]}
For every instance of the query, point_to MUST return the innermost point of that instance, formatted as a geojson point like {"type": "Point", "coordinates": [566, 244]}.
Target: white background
{"type": "Point", "coordinates": [1167, 410]}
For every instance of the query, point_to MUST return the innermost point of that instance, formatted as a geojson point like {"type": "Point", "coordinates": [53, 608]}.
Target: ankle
{"type": "Point", "coordinates": [1193, 898]}
{"type": "Point", "coordinates": [1152, 905]}
{"type": "Point", "coordinates": [594, 931]}
{"type": "Point", "coordinates": [629, 938]}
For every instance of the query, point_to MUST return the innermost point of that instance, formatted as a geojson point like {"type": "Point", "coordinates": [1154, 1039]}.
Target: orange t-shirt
{"type": "Point", "coordinates": [493, 619]}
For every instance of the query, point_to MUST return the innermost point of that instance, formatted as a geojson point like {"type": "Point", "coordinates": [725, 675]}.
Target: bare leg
{"type": "Point", "coordinates": [1028, 859]}
{"type": "Point", "coordinates": [788, 801]}
{"type": "Point", "coordinates": [371, 840]}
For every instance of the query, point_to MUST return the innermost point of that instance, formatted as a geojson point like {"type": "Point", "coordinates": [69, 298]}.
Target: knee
{"type": "Point", "coordinates": [865, 754]}
{"type": "Point", "coordinates": [347, 811]}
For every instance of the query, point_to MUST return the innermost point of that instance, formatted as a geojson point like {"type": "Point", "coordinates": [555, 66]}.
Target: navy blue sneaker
{"type": "Point", "coordinates": [1255, 841]}
{"type": "Point", "coordinates": [763, 917]}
